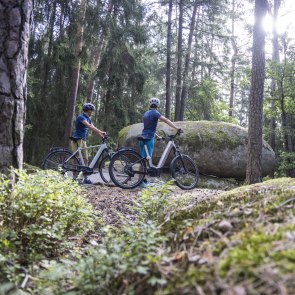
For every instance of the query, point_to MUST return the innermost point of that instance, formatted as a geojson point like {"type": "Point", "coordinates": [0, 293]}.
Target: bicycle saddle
{"type": "Point", "coordinates": [140, 138]}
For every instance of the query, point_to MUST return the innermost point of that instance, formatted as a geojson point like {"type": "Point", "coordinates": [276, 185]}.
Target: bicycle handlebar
{"type": "Point", "coordinates": [172, 136]}
{"type": "Point", "coordinates": [105, 138]}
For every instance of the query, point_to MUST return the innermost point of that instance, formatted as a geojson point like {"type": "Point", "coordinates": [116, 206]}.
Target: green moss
{"type": "Point", "coordinates": [286, 260]}
{"type": "Point", "coordinates": [191, 277]}
{"type": "Point", "coordinates": [216, 134]}
{"type": "Point", "coordinates": [253, 248]}
{"type": "Point", "coordinates": [281, 187]}
{"type": "Point", "coordinates": [194, 213]}
{"type": "Point", "coordinates": [272, 193]}
{"type": "Point", "coordinates": [123, 133]}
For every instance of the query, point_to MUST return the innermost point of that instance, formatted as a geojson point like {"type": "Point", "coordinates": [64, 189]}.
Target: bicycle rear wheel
{"type": "Point", "coordinates": [185, 172]}
{"type": "Point", "coordinates": [56, 161]}
{"type": "Point", "coordinates": [104, 168]}
{"type": "Point", "coordinates": [127, 169]}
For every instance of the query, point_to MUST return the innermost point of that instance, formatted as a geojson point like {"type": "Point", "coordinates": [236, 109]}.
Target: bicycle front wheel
{"type": "Point", "coordinates": [185, 172]}
{"type": "Point", "coordinates": [57, 161]}
{"type": "Point", "coordinates": [127, 169]}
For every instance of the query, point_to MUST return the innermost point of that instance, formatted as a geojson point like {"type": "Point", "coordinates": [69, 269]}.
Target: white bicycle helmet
{"type": "Point", "coordinates": [154, 102]}
{"type": "Point", "coordinates": [88, 106]}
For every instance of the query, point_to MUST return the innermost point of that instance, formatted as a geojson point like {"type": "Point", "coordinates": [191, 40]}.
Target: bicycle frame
{"type": "Point", "coordinates": [78, 151]}
{"type": "Point", "coordinates": [170, 146]}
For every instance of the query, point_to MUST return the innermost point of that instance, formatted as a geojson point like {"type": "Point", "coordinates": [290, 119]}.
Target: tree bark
{"type": "Point", "coordinates": [184, 91]}
{"type": "Point", "coordinates": [96, 54]}
{"type": "Point", "coordinates": [286, 125]}
{"type": "Point", "coordinates": [254, 157]}
{"type": "Point", "coordinates": [179, 63]}
{"type": "Point", "coordinates": [168, 63]}
{"type": "Point", "coordinates": [233, 63]}
{"type": "Point", "coordinates": [75, 74]}
{"type": "Point", "coordinates": [49, 51]}
{"type": "Point", "coordinates": [275, 59]}
{"type": "Point", "coordinates": [15, 23]}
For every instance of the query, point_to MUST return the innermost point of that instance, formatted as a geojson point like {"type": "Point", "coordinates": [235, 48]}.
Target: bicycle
{"type": "Point", "coordinates": [71, 164]}
{"type": "Point", "coordinates": [128, 168]}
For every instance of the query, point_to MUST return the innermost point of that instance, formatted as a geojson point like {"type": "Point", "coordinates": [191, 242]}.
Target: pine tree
{"type": "Point", "coordinates": [15, 23]}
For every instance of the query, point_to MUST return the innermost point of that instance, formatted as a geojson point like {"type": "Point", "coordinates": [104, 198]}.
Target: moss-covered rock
{"type": "Point", "coordinates": [219, 148]}
{"type": "Point", "coordinates": [255, 255]}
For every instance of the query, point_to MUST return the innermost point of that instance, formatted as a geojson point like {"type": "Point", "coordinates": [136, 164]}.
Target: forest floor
{"type": "Point", "coordinates": [113, 201]}
{"type": "Point", "coordinates": [235, 242]}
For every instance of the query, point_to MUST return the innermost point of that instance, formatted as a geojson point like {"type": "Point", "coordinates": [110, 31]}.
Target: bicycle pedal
{"type": "Point", "coordinates": [88, 172]}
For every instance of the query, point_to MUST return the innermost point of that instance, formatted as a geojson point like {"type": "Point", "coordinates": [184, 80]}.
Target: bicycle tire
{"type": "Point", "coordinates": [185, 172]}
{"type": "Point", "coordinates": [127, 169]}
{"type": "Point", "coordinates": [104, 169]}
{"type": "Point", "coordinates": [55, 161]}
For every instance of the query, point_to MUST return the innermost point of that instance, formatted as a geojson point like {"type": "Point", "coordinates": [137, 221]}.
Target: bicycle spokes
{"type": "Point", "coordinates": [127, 169]}
{"type": "Point", "coordinates": [185, 172]}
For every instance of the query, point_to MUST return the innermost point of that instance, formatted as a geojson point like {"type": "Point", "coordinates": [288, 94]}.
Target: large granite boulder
{"type": "Point", "coordinates": [218, 148]}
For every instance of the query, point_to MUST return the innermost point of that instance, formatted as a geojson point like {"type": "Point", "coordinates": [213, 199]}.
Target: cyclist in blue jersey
{"type": "Point", "coordinates": [82, 125]}
{"type": "Point", "coordinates": [150, 122]}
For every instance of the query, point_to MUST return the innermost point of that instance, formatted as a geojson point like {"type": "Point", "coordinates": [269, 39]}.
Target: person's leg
{"type": "Point", "coordinates": [141, 149]}
{"type": "Point", "coordinates": [150, 147]}
{"type": "Point", "coordinates": [73, 145]}
{"type": "Point", "coordinates": [82, 144]}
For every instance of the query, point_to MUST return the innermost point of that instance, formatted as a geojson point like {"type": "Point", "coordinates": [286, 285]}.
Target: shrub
{"type": "Point", "coordinates": [127, 260]}
{"type": "Point", "coordinates": [38, 213]}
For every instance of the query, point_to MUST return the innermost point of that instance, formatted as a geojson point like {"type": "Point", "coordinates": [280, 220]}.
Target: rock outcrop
{"type": "Point", "coordinates": [218, 148]}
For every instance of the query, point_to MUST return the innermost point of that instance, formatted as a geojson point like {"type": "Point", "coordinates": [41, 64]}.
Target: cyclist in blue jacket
{"type": "Point", "coordinates": [82, 125]}
{"type": "Point", "coordinates": [150, 122]}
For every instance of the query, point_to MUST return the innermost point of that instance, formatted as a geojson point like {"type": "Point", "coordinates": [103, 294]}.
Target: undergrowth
{"type": "Point", "coordinates": [39, 212]}
{"type": "Point", "coordinates": [238, 242]}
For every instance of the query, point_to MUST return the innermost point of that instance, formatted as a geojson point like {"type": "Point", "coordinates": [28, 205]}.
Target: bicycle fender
{"type": "Point", "coordinates": [53, 149]}
{"type": "Point", "coordinates": [126, 149]}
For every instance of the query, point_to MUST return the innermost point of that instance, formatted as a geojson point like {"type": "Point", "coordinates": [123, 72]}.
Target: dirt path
{"type": "Point", "coordinates": [112, 200]}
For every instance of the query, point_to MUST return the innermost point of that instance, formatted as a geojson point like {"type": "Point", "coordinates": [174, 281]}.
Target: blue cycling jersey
{"type": "Point", "coordinates": [80, 129]}
{"type": "Point", "coordinates": [150, 121]}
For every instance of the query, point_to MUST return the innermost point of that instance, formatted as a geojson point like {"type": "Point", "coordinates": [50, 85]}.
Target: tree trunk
{"type": "Point", "coordinates": [47, 59]}
{"type": "Point", "coordinates": [75, 74]}
{"type": "Point", "coordinates": [168, 63]}
{"type": "Point", "coordinates": [179, 64]}
{"type": "Point", "coordinates": [286, 125]}
{"type": "Point", "coordinates": [15, 23]}
{"type": "Point", "coordinates": [275, 59]}
{"type": "Point", "coordinates": [96, 54]}
{"type": "Point", "coordinates": [186, 63]}
{"type": "Point", "coordinates": [233, 62]}
{"type": "Point", "coordinates": [254, 157]}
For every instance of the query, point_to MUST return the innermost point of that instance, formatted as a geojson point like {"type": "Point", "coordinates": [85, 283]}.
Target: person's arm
{"type": "Point", "coordinates": [167, 121]}
{"type": "Point", "coordinates": [94, 129]}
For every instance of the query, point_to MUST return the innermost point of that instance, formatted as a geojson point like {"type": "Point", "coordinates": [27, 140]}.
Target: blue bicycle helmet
{"type": "Point", "coordinates": [88, 106]}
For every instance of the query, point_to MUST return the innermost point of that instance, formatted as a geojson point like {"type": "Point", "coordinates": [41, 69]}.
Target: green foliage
{"type": "Point", "coordinates": [153, 203]}
{"type": "Point", "coordinates": [286, 162]}
{"type": "Point", "coordinates": [127, 259]}
{"type": "Point", "coordinates": [149, 254]}
{"type": "Point", "coordinates": [201, 100]}
{"type": "Point", "coordinates": [38, 213]}
{"type": "Point", "coordinates": [120, 262]}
